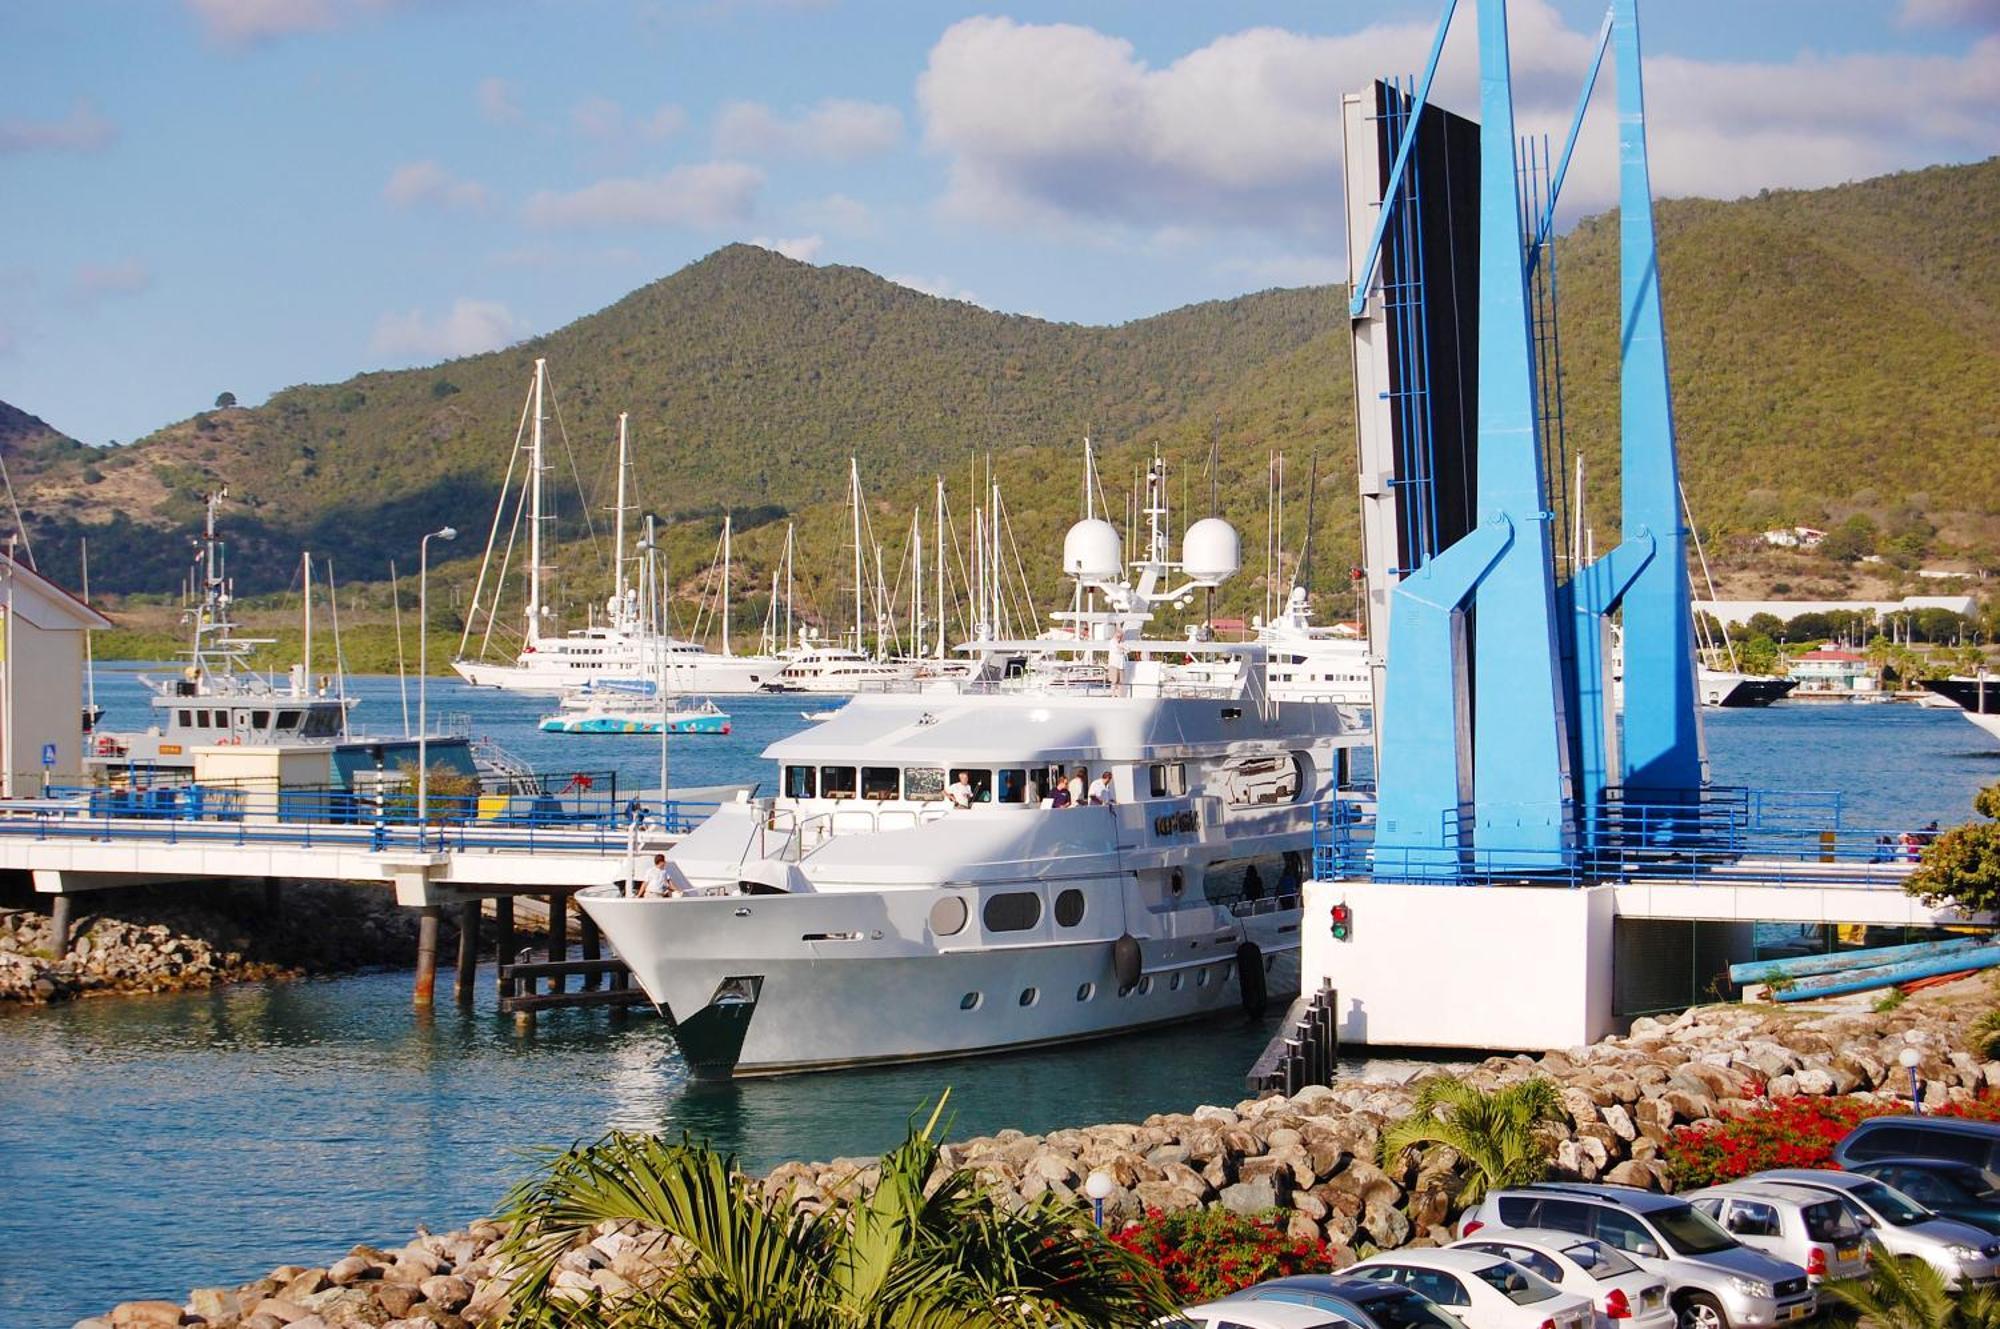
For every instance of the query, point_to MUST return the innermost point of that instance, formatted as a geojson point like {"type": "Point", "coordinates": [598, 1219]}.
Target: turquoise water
{"type": "Point", "coordinates": [152, 1144]}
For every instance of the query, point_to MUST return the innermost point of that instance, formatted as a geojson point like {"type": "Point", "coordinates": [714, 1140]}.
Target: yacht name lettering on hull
{"type": "Point", "coordinates": [1184, 822]}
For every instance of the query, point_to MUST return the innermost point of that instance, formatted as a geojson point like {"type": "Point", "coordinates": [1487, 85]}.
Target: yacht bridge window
{"type": "Point", "coordinates": [1011, 911]}
{"type": "Point", "coordinates": [801, 781]}
{"type": "Point", "coordinates": [880, 783]}
{"type": "Point", "coordinates": [924, 784]}
{"type": "Point", "coordinates": [288, 720]}
{"type": "Point", "coordinates": [1168, 779]}
{"type": "Point", "coordinates": [1012, 785]}
{"type": "Point", "coordinates": [836, 782]}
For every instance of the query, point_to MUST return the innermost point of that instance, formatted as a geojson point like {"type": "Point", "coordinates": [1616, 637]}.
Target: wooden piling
{"type": "Point", "coordinates": [558, 936]}
{"type": "Point", "coordinates": [590, 942]}
{"type": "Point", "coordinates": [61, 916]}
{"type": "Point", "coordinates": [468, 952]}
{"type": "Point", "coordinates": [427, 954]}
{"type": "Point", "coordinates": [503, 939]}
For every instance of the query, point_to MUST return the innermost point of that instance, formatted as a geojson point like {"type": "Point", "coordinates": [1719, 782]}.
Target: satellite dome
{"type": "Point", "coordinates": [1093, 551]}
{"type": "Point", "coordinates": [1211, 551]}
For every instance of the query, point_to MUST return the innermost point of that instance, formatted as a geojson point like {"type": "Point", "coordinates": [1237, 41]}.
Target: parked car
{"type": "Point", "coordinates": [1817, 1231]}
{"type": "Point", "coordinates": [1959, 1252]}
{"type": "Point", "coordinates": [1956, 1190]}
{"type": "Point", "coordinates": [1713, 1280]}
{"type": "Point", "coordinates": [1624, 1295]}
{"type": "Point", "coordinates": [1240, 1314]}
{"type": "Point", "coordinates": [1484, 1290]}
{"type": "Point", "coordinates": [1361, 1302]}
{"type": "Point", "coordinates": [1951, 1138]}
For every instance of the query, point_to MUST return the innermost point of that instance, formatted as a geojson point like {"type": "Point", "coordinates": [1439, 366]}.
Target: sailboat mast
{"type": "Point", "coordinates": [940, 567]}
{"type": "Point", "coordinates": [790, 530]}
{"type": "Point", "coordinates": [618, 574]}
{"type": "Point", "coordinates": [917, 585]}
{"type": "Point", "coordinates": [535, 511]}
{"type": "Point", "coordinates": [854, 497]}
{"type": "Point", "coordinates": [725, 583]}
{"type": "Point", "coordinates": [308, 572]}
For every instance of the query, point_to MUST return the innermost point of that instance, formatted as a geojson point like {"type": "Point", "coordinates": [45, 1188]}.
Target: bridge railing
{"type": "Point", "coordinates": [309, 818]}
{"type": "Point", "coordinates": [1722, 836]}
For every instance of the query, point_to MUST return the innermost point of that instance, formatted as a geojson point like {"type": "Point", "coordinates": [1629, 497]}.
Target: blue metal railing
{"type": "Point", "coordinates": [1727, 834]}
{"type": "Point", "coordinates": [328, 818]}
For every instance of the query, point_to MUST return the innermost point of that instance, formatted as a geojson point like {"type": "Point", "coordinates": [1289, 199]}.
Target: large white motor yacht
{"type": "Point", "coordinates": [917, 888]}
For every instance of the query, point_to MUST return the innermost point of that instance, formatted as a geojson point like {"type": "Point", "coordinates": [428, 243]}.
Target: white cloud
{"type": "Point", "coordinates": [468, 328]}
{"type": "Point", "coordinates": [496, 101]}
{"type": "Point", "coordinates": [426, 182]}
{"type": "Point", "coordinates": [82, 130]}
{"type": "Point", "coordinates": [1287, 269]}
{"type": "Point", "coordinates": [127, 277]}
{"type": "Point", "coordinates": [1950, 14]}
{"type": "Point", "coordinates": [667, 121]}
{"type": "Point", "coordinates": [944, 288]}
{"type": "Point", "coordinates": [1066, 125]}
{"type": "Point", "coordinates": [804, 248]}
{"type": "Point", "coordinates": [597, 117]}
{"type": "Point", "coordinates": [707, 195]}
{"type": "Point", "coordinates": [240, 23]}
{"type": "Point", "coordinates": [834, 130]}
{"type": "Point", "coordinates": [837, 212]}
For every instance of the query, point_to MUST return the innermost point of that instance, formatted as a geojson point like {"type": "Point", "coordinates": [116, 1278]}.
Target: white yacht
{"type": "Point", "coordinates": [836, 669]}
{"type": "Point", "coordinates": [1309, 663]}
{"type": "Point", "coordinates": [627, 644]}
{"type": "Point", "coordinates": [918, 887]}
{"type": "Point", "coordinates": [1976, 695]}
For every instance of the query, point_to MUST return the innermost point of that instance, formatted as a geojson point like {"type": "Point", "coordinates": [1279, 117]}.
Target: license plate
{"type": "Point", "coordinates": [1848, 1254]}
{"type": "Point", "coordinates": [1798, 1312]}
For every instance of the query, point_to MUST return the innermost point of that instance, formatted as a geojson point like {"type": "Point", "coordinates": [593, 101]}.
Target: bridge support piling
{"type": "Point", "coordinates": [591, 943]}
{"type": "Point", "coordinates": [62, 914]}
{"type": "Point", "coordinates": [503, 939]}
{"type": "Point", "coordinates": [468, 952]}
{"type": "Point", "coordinates": [558, 935]}
{"type": "Point", "coordinates": [427, 954]}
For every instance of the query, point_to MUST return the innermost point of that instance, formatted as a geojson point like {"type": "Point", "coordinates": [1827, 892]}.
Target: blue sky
{"type": "Point", "coordinates": [245, 194]}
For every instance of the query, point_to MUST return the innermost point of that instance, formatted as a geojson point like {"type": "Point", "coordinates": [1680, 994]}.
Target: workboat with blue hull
{"type": "Point", "coordinates": [924, 884]}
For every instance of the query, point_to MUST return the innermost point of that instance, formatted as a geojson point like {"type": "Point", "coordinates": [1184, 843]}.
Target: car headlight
{"type": "Point", "coordinates": [1750, 1287]}
{"type": "Point", "coordinates": [1964, 1252]}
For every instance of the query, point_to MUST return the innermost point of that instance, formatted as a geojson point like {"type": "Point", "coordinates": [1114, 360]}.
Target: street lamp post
{"type": "Point", "coordinates": [423, 674]}
{"type": "Point", "coordinates": [1910, 1058]}
{"type": "Point", "coordinates": [1098, 1186]}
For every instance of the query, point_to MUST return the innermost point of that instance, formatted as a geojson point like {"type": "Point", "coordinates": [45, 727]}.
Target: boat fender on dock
{"type": "Point", "coordinates": [1250, 978]}
{"type": "Point", "coordinates": [1126, 961]}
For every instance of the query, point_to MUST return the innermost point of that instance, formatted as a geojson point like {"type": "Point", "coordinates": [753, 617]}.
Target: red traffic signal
{"type": "Point", "coordinates": [1343, 922]}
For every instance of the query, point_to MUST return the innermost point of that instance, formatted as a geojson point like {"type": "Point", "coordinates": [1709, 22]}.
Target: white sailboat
{"type": "Point", "coordinates": [620, 647]}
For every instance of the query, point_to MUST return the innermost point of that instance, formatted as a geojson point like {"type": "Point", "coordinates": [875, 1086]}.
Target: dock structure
{"type": "Point", "coordinates": [1541, 856]}
{"type": "Point", "coordinates": [461, 864]}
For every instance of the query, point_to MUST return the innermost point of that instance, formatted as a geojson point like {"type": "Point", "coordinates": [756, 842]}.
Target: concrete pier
{"type": "Point", "coordinates": [468, 952]}
{"type": "Point", "coordinates": [61, 918]}
{"type": "Point", "coordinates": [427, 954]}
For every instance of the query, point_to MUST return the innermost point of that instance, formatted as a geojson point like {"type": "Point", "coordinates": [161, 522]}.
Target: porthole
{"type": "Point", "coordinates": [970, 1001]}
{"type": "Point", "coordinates": [1201, 978]}
{"type": "Point", "coordinates": [1145, 985]}
{"type": "Point", "coordinates": [1069, 908]}
{"type": "Point", "coordinates": [1174, 983]}
{"type": "Point", "coordinates": [1086, 991]}
{"type": "Point", "coordinates": [1029, 996]}
{"type": "Point", "coordinates": [1177, 883]}
{"type": "Point", "coordinates": [948, 916]}
{"type": "Point", "coordinates": [1012, 911]}
{"type": "Point", "coordinates": [1228, 971]}
{"type": "Point", "coordinates": [1270, 963]}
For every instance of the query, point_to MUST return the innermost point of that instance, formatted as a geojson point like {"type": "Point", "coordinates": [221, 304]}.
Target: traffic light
{"type": "Point", "coordinates": [1343, 922]}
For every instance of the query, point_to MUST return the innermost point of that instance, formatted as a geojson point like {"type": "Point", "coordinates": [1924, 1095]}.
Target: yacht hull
{"type": "Point", "coordinates": [719, 675]}
{"type": "Point", "coordinates": [775, 984]}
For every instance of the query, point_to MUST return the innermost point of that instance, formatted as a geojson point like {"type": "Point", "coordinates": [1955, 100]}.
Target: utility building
{"type": "Point", "coordinates": [42, 655]}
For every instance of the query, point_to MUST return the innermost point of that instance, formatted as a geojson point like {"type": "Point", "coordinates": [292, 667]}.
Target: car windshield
{"type": "Point", "coordinates": [1513, 1282]}
{"type": "Point", "coordinates": [1890, 1205]}
{"type": "Point", "coordinates": [1408, 1311]}
{"type": "Point", "coordinates": [1690, 1232]}
{"type": "Point", "coordinates": [1599, 1260]}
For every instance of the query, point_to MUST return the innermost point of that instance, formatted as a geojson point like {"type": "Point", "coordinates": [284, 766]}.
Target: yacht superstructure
{"type": "Point", "coordinates": [926, 884]}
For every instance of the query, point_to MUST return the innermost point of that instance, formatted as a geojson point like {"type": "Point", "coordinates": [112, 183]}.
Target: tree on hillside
{"type": "Point", "coordinates": [1962, 866]}
{"type": "Point", "coordinates": [224, 400]}
{"type": "Point", "coordinates": [1850, 541]}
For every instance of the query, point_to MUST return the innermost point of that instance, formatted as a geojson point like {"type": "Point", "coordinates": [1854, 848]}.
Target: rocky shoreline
{"type": "Point", "coordinates": [171, 939]}
{"type": "Point", "coordinates": [1313, 1157]}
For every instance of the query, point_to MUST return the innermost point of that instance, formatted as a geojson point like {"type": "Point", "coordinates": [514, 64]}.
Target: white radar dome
{"type": "Point", "coordinates": [1093, 551]}
{"type": "Point", "coordinates": [1211, 551]}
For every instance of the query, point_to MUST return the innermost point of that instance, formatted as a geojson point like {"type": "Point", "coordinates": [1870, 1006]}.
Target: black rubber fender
{"type": "Point", "coordinates": [1250, 978]}
{"type": "Point", "coordinates": [1126, 961]}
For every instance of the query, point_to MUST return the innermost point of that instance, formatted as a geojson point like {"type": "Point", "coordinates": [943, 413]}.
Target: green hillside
{"type": "Point", "coordinates": [1834, 352]}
